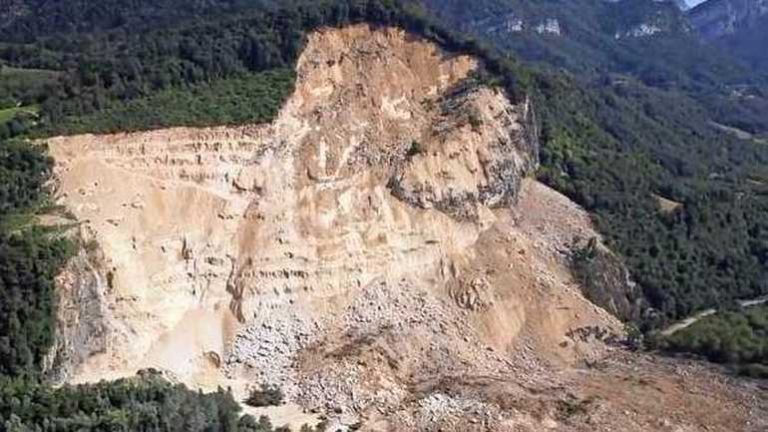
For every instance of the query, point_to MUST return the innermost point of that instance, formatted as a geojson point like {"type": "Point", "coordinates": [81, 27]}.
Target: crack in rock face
{"type": "Point", "coordinates": [368, 231]}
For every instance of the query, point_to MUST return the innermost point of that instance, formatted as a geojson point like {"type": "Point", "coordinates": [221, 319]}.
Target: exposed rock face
{"type": "Point", "coordinates": [218, 227]}
{"type": "Point", "coordinates": [376, 251]}
{"type": "Point", "coordinates": [682, 5]}
{"type": "Point", "coordinates": [83, 315]}
{"type": "Point", "coordinates": [605, 280]}
{"type": "Point", "coordinates": [550, 26]}
{"type": "Point", "coordinates": [714, 19]}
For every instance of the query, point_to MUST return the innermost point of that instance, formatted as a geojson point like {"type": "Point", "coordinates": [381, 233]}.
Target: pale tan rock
{"type": "Point", "coordinates": [320, 253]}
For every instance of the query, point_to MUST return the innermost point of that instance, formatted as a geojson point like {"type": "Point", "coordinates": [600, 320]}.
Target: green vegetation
{"type": "Point", "coordinates": [7, 114]}
{"type": "Point", "coordinates": [738, 338]}
{"type": "Point", "coordinates": [24, 86]}
{"type": "Point", "coordinates": [238, 100]}
{"type": "Point", "coordinates": [24, 169]}
{"type": "Point", "coordinates": [29, 260]}
{"type": "Point", "coordinates": [264, 396]}
{"type": "Point", "coordinates": [145, 403]}
{"type": "Point", "coordinates": [612, 149]}
{"type": "Point", "coordinates": [624, 120]}
{"type": "Point", "coordinates": [20, 92]}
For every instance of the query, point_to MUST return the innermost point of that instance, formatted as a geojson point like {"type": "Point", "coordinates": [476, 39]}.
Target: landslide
{"type": "Point", "coordinates": [377, 251]}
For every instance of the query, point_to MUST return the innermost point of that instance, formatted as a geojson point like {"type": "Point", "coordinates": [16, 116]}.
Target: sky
{"type": "Point", "coordinates": [693, 3]}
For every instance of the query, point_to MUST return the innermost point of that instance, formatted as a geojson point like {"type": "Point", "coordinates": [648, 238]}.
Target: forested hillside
{"type": "Point", "coordinates": [145, 403]}
{"type": "Point", "coordinates": [738, 26]}
{"type": "Point", "coordinates": [29, 259]}
{"type": "Point", "coordinates": [634, 120]}
{"type": "Point", "coordinates": [733, 337]}
{"type": "Point", "coordinates": [626, 122]}
{"type": "Point", "coordinates": [25, 20]}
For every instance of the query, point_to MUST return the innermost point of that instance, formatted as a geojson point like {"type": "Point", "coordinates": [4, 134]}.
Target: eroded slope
{"type": "Point", "coordinates": [374, 243]}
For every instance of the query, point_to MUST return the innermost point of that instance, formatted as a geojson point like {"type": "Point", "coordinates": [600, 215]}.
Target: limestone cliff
{"type": "Point", "coordinates": [376, 251]}
{"type": "Point", "coordinates": [715, 19]}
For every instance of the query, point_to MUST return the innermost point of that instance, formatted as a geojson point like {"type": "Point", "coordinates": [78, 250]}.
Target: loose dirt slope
{"type": "Point", "coordinates": [376, 252]}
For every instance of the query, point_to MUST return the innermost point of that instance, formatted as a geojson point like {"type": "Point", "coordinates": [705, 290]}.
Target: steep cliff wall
{"type": "Point", "coordinates": [385, 162]}
{"type": "Point", "coordinates": [376, 251]}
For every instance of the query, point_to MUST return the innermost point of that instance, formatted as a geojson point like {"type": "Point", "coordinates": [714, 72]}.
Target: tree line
{"type": "Point", "coordinates": [144, 403]}
{"type": "Point", "coordinates": [738, 338]}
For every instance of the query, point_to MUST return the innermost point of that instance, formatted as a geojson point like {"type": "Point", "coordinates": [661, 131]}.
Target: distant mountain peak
{"type": "Point", "coordinates": [714, 19]}
{"type": "Point", "coordinates": [683, 5]}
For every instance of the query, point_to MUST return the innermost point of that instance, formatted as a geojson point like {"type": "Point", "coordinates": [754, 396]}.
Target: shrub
{"type": "Point", "coordinates": [416, 148]}
{"type": "Point", "coordinates": [266, 395]}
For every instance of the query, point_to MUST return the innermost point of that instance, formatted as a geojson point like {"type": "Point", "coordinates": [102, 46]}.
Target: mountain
{"type": "Point", "coordinates": [389, 215]}
{"type": "Point", "coordinates": [652, 42]}
{"type": "Point", "coordinates": [685, 107]}
{"type": "Point", "coordinates": [378, 249]}
{"type": "Point", "coordinates": [716, 19]}
{"type": "Point", "coordinates": [737, 27]}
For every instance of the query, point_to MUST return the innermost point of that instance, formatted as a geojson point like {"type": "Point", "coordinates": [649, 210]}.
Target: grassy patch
{"type": "Point", "coordinates": [9, 114]}
{"type": "Point", "coordinates": [18, 78]}
{"type": "Point", "coordinates": [24, 86]}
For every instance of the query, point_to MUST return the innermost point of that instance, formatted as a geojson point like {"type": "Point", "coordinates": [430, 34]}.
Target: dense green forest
{"type": "Point", "coordinates": [709, 250]}
{"type": "Point", "coordinates": [144, 403]}
{"type": "Point", "coordinates": [735, 337]}
{"type": "Point", "coordinates": [30, 257]}
{"type": "Point", "coordinates": [236, 100]}
{"type": "Point", "coordinates": [20, 89]}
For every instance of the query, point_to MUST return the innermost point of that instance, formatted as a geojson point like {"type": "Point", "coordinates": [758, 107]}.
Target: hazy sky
{"type": "Point", "coordinates": [693, 3]}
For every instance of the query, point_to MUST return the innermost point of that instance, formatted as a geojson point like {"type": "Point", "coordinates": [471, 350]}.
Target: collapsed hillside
{"type": "Point", "coordinates": [376, 251]}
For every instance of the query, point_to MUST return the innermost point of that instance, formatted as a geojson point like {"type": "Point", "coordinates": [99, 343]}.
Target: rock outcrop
{"type": "Point", "coordinates": [377, 251]}
{"type": "Point", "coordinates": [83, 315]}
{"type": "Point", "coordinates": [715, 19]}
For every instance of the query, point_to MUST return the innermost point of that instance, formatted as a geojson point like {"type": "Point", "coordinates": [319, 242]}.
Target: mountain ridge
{"type": "Point", "coordinates": [715, 19]}
{"type": "Point", "coordinates": [738, 27]}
